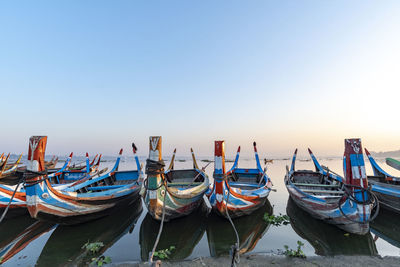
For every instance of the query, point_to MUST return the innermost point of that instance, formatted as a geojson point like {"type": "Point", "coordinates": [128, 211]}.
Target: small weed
{"type": "Point", "coordinates": [101, 260]}
{"type": "Point", "coordinates": [277, 220]}
{"type": "Point", "coordinates": [294, 253]}
{"type": "Point", "coordinates": [93, 247]}
{"type": "Point", "coordinates": [1, 260]}
{"type": "Point", "coordinates": [163, 254]}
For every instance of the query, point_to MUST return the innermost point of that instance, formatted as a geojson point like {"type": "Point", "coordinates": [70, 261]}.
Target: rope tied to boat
{"type": "Point", "coordinates": [159, 232]}
{"type": "Point", "coordinates": [371, 199]}
{"type": "Point", "coordinates": [21, 178]}
{"type": "Point", "coordinates": [154, 167]}
{"type": "Point", "coordinates": [235, 247]}
{"type": "Point", "coordinates": [32, 182]}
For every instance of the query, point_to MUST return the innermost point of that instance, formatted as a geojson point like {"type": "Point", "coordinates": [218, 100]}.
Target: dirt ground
{"type": "Point", "coordinates": [261, 260]}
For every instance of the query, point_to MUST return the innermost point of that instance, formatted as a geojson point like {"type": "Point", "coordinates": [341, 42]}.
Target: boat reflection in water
{"type": "Point", "coordinates": [17, 233]}
{"type": "Point", "coordinates": [183, 233]}
{"type": "Point", "coordinates": [327, 239]}
{"type": "Point", "coordinates": [251, 229]}
{"type": "Point", "coordinates": [64, 247]}
{"type": "Point", "coordinates": [387, 227]}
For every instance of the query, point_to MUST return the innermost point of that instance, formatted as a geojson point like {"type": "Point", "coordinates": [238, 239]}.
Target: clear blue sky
{"type": "Point", "coordinates": [95, 75]}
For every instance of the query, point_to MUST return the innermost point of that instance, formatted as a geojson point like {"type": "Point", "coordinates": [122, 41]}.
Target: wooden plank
{"type": "Point", "coordinates": [319, 185]}
{"type": "Point", "coordinates": [323, 191]}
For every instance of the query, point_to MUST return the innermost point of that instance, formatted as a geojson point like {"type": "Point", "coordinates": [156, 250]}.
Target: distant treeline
{"type": "Point", "coordinates": [395, 153]}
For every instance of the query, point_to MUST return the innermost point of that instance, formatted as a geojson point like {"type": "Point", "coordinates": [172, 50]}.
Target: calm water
{"type": "Point", "coordinates": [129, 235]}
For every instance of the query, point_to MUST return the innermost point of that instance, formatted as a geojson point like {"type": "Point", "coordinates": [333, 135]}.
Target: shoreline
{"type": "Point", "coordinates": [268, 260]}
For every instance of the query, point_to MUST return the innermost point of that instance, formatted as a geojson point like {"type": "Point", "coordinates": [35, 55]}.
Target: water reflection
{"type": "Point", "coordinates": [387, 227]}
{"type": "Point", "coordinates": [251, 228]}
{"type": "Point", "coordinates": [17, 233]}
{"type": "Point", "coordinates": [183, 233]}
{"type": "Point", "coordinates": [64, 247]}
{"type": "Point", "coordinates": [327, 239]}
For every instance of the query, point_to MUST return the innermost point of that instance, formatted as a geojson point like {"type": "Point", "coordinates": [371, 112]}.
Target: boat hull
{"type": "Point", "coordinates": [175, 206]}
{"type": "Point", "coordinates": [236, 202]}
{"type": "Point", "coordinates": [327, 239]}
{"type": "Point", "coordinates": [18, 204]}
{"type": "Point", "coordinates": [387, 194]}
{"type": "Point", "coordinates": [43, 214]}
{"type": "Point", "coordinates": [330, 213]}
{"type": "Point", "coordinates": [49, 204]}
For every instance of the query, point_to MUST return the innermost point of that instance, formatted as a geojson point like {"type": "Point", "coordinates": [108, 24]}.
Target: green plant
{"type": "Point", "coordinates": [277, 220]}
{"type": "Point", "coordinates": [295, 253]}
{"type": "Point", "coordinates": [93, 247]}
{"type": "Point", "coordinates": [101, 260]}
{"type": "Point", "coordinates": [1, 260]}
{"type": "Point", "coordinates": [163, 254]}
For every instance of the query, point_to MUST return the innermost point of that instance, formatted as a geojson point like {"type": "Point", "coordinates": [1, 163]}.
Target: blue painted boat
{"type": "Point", "coordinates": [61, 176]}
{"type": "Point", "coordinates": [344, 202]}
{"type": "Point", "coordinates": [85, 199]}
{"type": "Point", "coordinates": [385, 186]}
{"type": "Point", "coordinates": [239, 191]}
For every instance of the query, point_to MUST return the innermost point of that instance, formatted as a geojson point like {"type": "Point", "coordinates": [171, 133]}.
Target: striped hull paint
{"type": "Point", "coordinates": [47, 203]}
{"type": "Point", "coordinates": [236, 201]}
{"type": "Point", "coordinates": [328, 210]}
{"type": "Point", "coordinates": [18, 204]}
{"type": "Point", "coordinates": [177, 204]}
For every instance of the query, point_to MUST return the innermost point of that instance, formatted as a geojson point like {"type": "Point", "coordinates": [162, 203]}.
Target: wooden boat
{"type": "Point", "coordinates": [385, 186]}
{"type": "Point", "coordinates": [346, 203]}
{"type": "Point", "coordinates": [327, 239]}
{"type": "Point", "coordinates": [52, 163]}
{"type": "Point", "coordinates": [221, 236]}
{"type": "Point", "coordinates": [177, 192]}
{"type": "Point", "coordinates": [191, 229]}
{"type": "Point", "coordinates": [61, 176]}
{"type": "Point", "coordinates": [82, 201]}
{"type": "Point", "coordinates": [83, 166]}
{"type": "Point", "coordinates": [239, 191]}
{"type": "Point", "coordinates": [8, 169]}
{"type": "Point", "coordinates": [64, 246]}
{"type": "Point", "coordinates": [393, 163]}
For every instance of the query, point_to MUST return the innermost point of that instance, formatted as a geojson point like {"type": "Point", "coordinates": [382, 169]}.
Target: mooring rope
{"type": "Point", "coordinates": [154, 167]}
{"type": "Point", "coordinates": [372, 199]}
{"type": "Point", "coordinates": [11, 199]}
{"type": "Point", "coordinates": [235, 248]}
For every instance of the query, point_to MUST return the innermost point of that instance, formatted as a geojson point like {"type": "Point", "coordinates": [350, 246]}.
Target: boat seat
{"type": "Point", "coordinates": [243, 184]}
{"type": "Point", "coordinates": [98, 188]}
{"type": "Point", "coordinates": [319, 185]}
{"type": "Point", "coordinates": [183, 184]}
{"type": "Point", "coordinates": [323, 191]}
